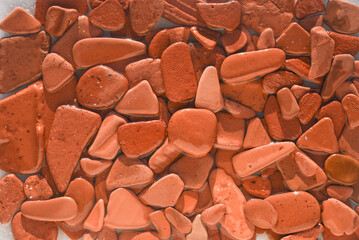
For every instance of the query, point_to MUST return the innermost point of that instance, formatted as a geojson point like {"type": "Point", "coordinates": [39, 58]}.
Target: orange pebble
{"type": "Point", "coordinates": [266, 39]}
{"type": "Point", "coordinates": [94, 167]}
{"type": "Point", "coordinates": [94, 220]}
{"type": "Point", "coordinates": [161, 224]}
{"type": "Point", "coordinates": [339, 192]}
{"type": "Point", "coordinates": [346, 88]}
{"type": "Point", "coordinates": [59, 19]}
{"type": "Point", "coordinates": [206, 37]}
{"type": "Point", "coordinates": [234, 41]}
{"type": "Point", "coordinates": [334, 111]}
{"type": "Point", "coordinates": [37, 188]}
{"type": "Point", "coordinates": [178, 220]}
{"type": "Point", "coordinates": [256, 134]}
{"type": "Point", "coordinates": [272, 82]}
{"type": "Point", "coordinates": [309, 104]}
{"type": "Point", "coordinates": [350, 105]}
{"type": "Point", "coordinates": [342, 169]}
{"type": "Point", "coordinates": [287, 103]}
{"type": "Point", "coordinates": [261, 213]}
{"type": "Point", "coordinates": [187, 202]}
{"type": "Point", "coordinates": [230, 132]}
{"type": "Point", "coordinates": [20, 22]}
{"type": "Point", "coordinates": [257, 186]}
{"type": "Point", "coordinates": [299, 91]}
{"type": "Point", "coordinates": [211, 216]}
{"type": "Point", "coordinates": [109, 15]}
{"type": "Point", "coordinates": [238, 110]}
{"type": "Point", "coordinates": [223, 160]}
{"type": "Point", "coordinates": [199, 230]}
{"type": "Point", "coordinates": [294, 40]}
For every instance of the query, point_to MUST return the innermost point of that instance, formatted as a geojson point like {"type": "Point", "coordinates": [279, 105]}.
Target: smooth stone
{"type": "Point", "coordinates": [37, 188]}
{"type": "Point", "coordinates": [161, 224]}
{"type": "Point", "coordinates": [273, 82]}
{"type": "Point", "coordinates": [59, 19]}
{"type": "Point", "coordinates": [230, 132]}
{"type": "Point", "coordinates": [56, 72]}
{"type": "Point", "coordinates": [193, 131]}
{"type": "Point", "coordinates": [350, 105]}
{"type": "Point", "coordinates": [19, 21]}
{"type": "Point", "coordinates": [322, 50]}
{"type": "Point", "coordinates": [238, 110]}
{"type": "Point", "coordinates": [304, 8]}
{"type": "Point", "coordinates": [342, 193]}
{"type": "Point", "coordinates": [11, 196]}
{"type": "Point", "coordinates": [147, 69]}
{"type": "Point", "coordinates": [256, 134]}
{"type": "Point", "coordinates": [211, 216]}
{"type": "Point", "coordinates": [94, 221]}
{"type": "Point", "coordinates": [56, 209]}
{"type": "Point", "coordinates": [348, 142]}
{"type": "Point", "coordinates": [143, 19]}
{"type": "Point", "coordinates": [71, 131]}
{"type": "Point", "coordinates": [106, 145]}
{"type": "Point", "coordinates": [225, 191]}
{"type": "Point", "coordinates": [301, 67]}
{"type": "Point", "coordinates": [306, 165]}
{"type": "Point", "coordinates": [187, 202]}
{"type": "Point", "coordinates": [287, 103]}
{"type": "Point", "coordinates": [232, 74]}
{"type": "Point", "coordinates": [266, 39]}
{"type": "Point", "coordinates": [139, 100]}
{"type": "Point", "coordinates": [129, 173]}
{"type": "Point", "coordinates": [125, 211]}
{"type": "Point", "coordinates": [294, 40]}
{"type": "Point", "coordinates": [164, 192]}
{"type": "Point", "coordinates": [204, 199]}
{"type": "Point", "coordinates": [21, 59]}
{"type": "Point", "coordinates": [312, 21]}
{"type": "Point", "coordinates": [339, 224]}
{"type": "Point", "coordinates": [257, 186]}
{"type": "Point", "coordinates": [179, 77]}
{"type": "Point", "coordinates": [93, 51]}
{"type": "Point", "coordinates": [345, 44]}
{"type": "Point", "coordinates": [178, 220]}
{"type": "Point", "coordinates": [341, 16]}
{"type": "Point", "coordinates": [299, 91]}
{"type": "Point", "coordinates": [25, 228]}
{"type": "Point", "coordinates": [342, 68]}
{"type": "Point", "coordinates": [141, 138]}
{"type": "Point", "coordinates": [334, 111]}
{"type": "Point", "coordinates": [261, 213]}
{"type": "Point", "coordinates": [234, 41]}
{"type": "Point", "coordinates": [199, 230]}
{"type": "Point", "coordinates": [192, 170]}
{"type": "Point", "coordinates": [109, 16]}
{"type": "Point", "coordinates": [221, 15]}
{"type": "Point", "coordinates": [223, 160]}
{"type": "Point", "coordinates": [297, 211]}
{"type": "Point", "coordinates": [344, 89]}
{"type": "Point", "coordinates": [320, 137]}
{"type": "Point", "coordinates": [309, 104]}
{"type": "Point", "coordinates": [253, 160]}
{"type": "Point", "coordinates": [94, 167]}
{"type": "Point", "coordinates": [22, 131]}
{"type": "Point", "coordinates": [342, 169]}
{"type": "Point", "coordinates": [100, 187]}
{"type": "Point", "coordinates": [101, 87]}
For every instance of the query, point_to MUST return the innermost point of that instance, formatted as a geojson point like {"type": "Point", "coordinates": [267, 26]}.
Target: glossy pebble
{"type": "Point", "coordinates": [94, 221]}
{"type": "Point", "coordinates": [59, 19]}
{"type": "Point", "coordinates": [179, 221]}
{"type": "Point", "coordinates": [339, 192]}
{"type": "Point", "coordinates": [94, 167]}
{"type": "Point", "coordinates": [342, 169]}
{"type": "Point", "coordinates": [187, 202]}
{"type": "Point", "coordinates": [238, 110]}
{"type": "Point", "coordinates": [261, 213]}
{"type": "Point", "coordinates": [294, 40]}
{"type": "Point", "coordinates": [234, 41]}
{"type": "Point", "coordinates": [256, 134]}
{"type": "Point", "coordinates": [257, 186]}
{"type": "Point", "coordinates": [199, 230]}
{"type": "Point", "coordinates": [350, 105]}
{"type": "Point", "coordinates": [266, 39]}
{"type": "Point", "coordinates": [287, 103]}
{"type": "Point", "coordinates": [230, 132]}
{"type": "Point", "coordinates": [211, 216]}
{"type": "Point", "coordinates": [334, 111]}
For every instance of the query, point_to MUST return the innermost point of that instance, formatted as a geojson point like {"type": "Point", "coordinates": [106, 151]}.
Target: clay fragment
{"type": "Point", "coordinates": [94, 220]}
{"type": "Point", "coordinates": [94, 167]}
{"type": "Point", "coordinates": [143, 19]}
{"type": "Point", "coordinates": [311, 22]}
{"type": "Point", "coordinates": [348, 143]}
{"type": "Point", "coordinates": [266, 39]}
{"type": "Point", "coordinates": [230, 132]}
{"type": "Point", "coordinates": [350, 105]}
{"type": "Point", "coordinates": [304, 8]}
{"type": "Point", "coordinates": [294, 40]}
{"type": "Point", "coordinates": [109, 16]}
{"type": "Point", "coordinates": [345, 44]}
{"type": "Point", "coordinates": [261, 213]}
{"type": "Point", "coordinates": [334, 111]}
{"type": "Point", "coordinates": [179, 221]}
{"type": "Point", "coordinates": [347, 87]}
{"type": "Point", "coordinates": [59, 19]}
{"type": "Point", "coordinates": [183, 12]}
{"type": "Point", "coordinates": [20, 22]}
{"type": "Point", "coordinates": [199, 230]}
{"type": "Point", "coordinates": [302, 69]}
{"type": "Point", "coordinates": [161, 224]}
{"type": "Point", "coordinates": [287, 103]}
{"type": "Point", "coordinates": [339, 192]}
{"type": "Point", "coordinates": [307, 234]}
{"type": "Point", "coordinates": [256, 134]}
{"type": "Point", "coordinates": [299, 91]}
{"type": "Point", "coordinates": [37, 188]}
{"type": "Point", "coordinates": [238, 110]}
{"type": "Point", "coordinates": [234, 41]}
{"type": "Point", "coordinates": [309, 104]}
{"type": "Point", "coordinates": [206, 37]}
{"type": "Point", "coordinates": [257, 186]}
{"type": "Point", "coordinates": [187, 202]}
{"type": "Point", "coordinates": [211, 216]}
{"type": "Point", "coordinates": [272, 82]}
{"type": "Point", "coordinates": [223, 160]}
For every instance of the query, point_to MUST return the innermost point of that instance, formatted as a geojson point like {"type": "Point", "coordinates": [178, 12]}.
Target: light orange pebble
{"type": "Point", "coordinates": [238, 110]}
{"type": "Point", "coordinates": [71, 231]}
{"type": "Point", "coordinates": [161, 224]}
{"type": "Point", "coordinates": [350, 105]}
{"type": "Point", "coordinates": [223, 160]}
{"type": "Point", "coordinates": [20, 22]}
{"type": "Point", "coordinates": [299, 91]}
{"type": "Point", "coordinates": [230, 132]}
{"type": "Point", "coordinates": [94, 167]}
{"type": "Point", "coordinates": [94, 220]}
{"type": "Point", "coordinates": [178, 220]}
{"type": "Point", "coordinates": [199, 230]}
{"type": "Point", "coordinates": [234, 41]}
{"type": "Point", "coordinates": [59, 19]}
{"type": "Point", "coordinates": [256, 134]}
{"type": "Point", "coordinates": [339, 192]}
{"type": "Point", "coordinates": [287, 103]}
{"type": "Point", "coordinates": [163, 193]}
{"type": "Point", "coordinates": [294, 40]}
{"type": "Point", "coordinates": [261, 213]}
{"type": "Point", "coordinates": [211, 216]}
{"type": "Point", "coordinates": [187, 202]}
{"type": "Point", "coordinates": [266, 39]}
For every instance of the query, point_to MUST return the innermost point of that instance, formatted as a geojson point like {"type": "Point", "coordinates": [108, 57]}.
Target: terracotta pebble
{"type": "Point", "coordinates": [334, 111]}
{"type": "Point", "coordinates": [144, 19]}
{"type": "Point", "coordinates": [187, 202]}
{"type": "Point", "coordinates": [297, 211]}
{"type": "Point", "coordinates": [309, 104]}
{"type": "Point", "coordinates": [312, 233]}
{"type": "Point", "coordinates": [74, 232]}
{"type": "Point", "coordinates": [250, 94]}
{"type": "Point", "coordinates": [133, 235]}
{"type": "Point", "coordinates": [165, 38]}
{"type": "Point", "coordinates": [304, 8]}
{"type": "Point", "coordinates": [206, 37]}
{"type": "Point", "coordinates": [312, 21]}
{"type": "Point", "coordinates": [139, 100]}
{"type": "Point", "coordinates": [261, 213]}
{"type": "Point", "coordinates": [272, 82]}
{"type": "Point", "coordinates": [257, 186]}
{"type": "Point", "coordinates": [106, 145]}
{"type": "Point", "coordinates": [342, 68]}
{"type": "Point", "coordinates": [299, 91]}
{"type": "Point", "coordinates": [256, 134]}
{"type": "Point", "coordinates": [238, 110]}
{"type": "Point", "coordinates": [348, 143]}
{"type": "Point", "coordinates": [344, 89]}
{"type": "Point", "coordinates": [130, 173]}
{"type": "Point", "coordinates": [163, 157]}
{"type": "Point", "coordinates": [25, 228]}
{"type": "Point", "coordinates": [350, 105]}
{"type": "Point", "coordinates": [37, 188]}
{"type": "Point", "coordinates": [94, 167]}
{"type": "Point", "coordinates": [301, 68]}
{"type": "Point", "coordinates": [287, 103]}
{"type": "Point", "coordinates": [109, 16]}
{"type": "Point", "coordinates": [100, 187]}
{"type": "Point", "coordinates": [320, 137]}
{"type": "Point", "coordinates": [211, 216]}
{"type": "Point", "coordinates": [193, 131]}
{"type": "Point", "coordinates": [125, 211]}
{"type": "Point", "coordinates": [183, 12]}
{"type": "Point", "coordinates": [266, 39]}
{"type": "Point", "coordinates": [294, 40]}
{"type": "Point", "coordinates": [223, 160]}
{"type": "Point", "coordinates": [147, 69]}
{"type": "Point", "coordinates": [232, 74]}
{"type": "Point", "coordinates": [20, 22]}
{"type": "Point", "coordinates": [322, 50]}
{"type": "Point", "coordinates": [59, 19]}
{"type": "Point", "coordinates": [345, 223]}
{"type": "Point", "coordinates": [161, 224]}
{"type": "Point", "coordinates": [199, 230]}
{"type": "Point", "coordinates": [56, 209]}
{"type": "Point", "coordinates": [230, 132]}
{"type": "Point", "coordinates": [234, 41]}
{"type": "Point", "coordinates": [345, 44]}
{"type": "Point", "coordinates": [21, 59]}
{"type": "Point", "coordinates": [340, 16]}
{"type": "Point", "coordinates": [204, 199]}
{"type": "Point", "coordinates": [225, 191]}
{"type": "Point", "coordinates": [56, 72]}
{"type": "Point", "coordinates": [192, 170]}
{"type": "Point", "coordinates": [279, 128]}
{"type": "Point", "coordinates": [178, 220]}
{"type": "Point", "coordinates": [180, 81]}
{"type": "Point", "coordinates": [94, 221]}
{"type": "Point", "coordinates": [93, 51]}
{"type": "Point", "coordinates": [339, 192]}
{"type": "Point", "coordinates": [342, 169]}
{"type": "Point", "coordinates": [132, 141]}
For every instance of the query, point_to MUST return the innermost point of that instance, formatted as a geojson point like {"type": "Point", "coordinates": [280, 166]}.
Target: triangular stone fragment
{"type": "Point", "coordinates": [320, 137]}
{"type": "Point", "coordinates": [209, 93]}
{"type": "Point", "coordinates": [139, 100]}
{"type": "Point", "coordinates": [256, 134]}
{"type": "Point", "coordinates": [20, 22]}
{"type": "Point", "coordinates": [294, 40]}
